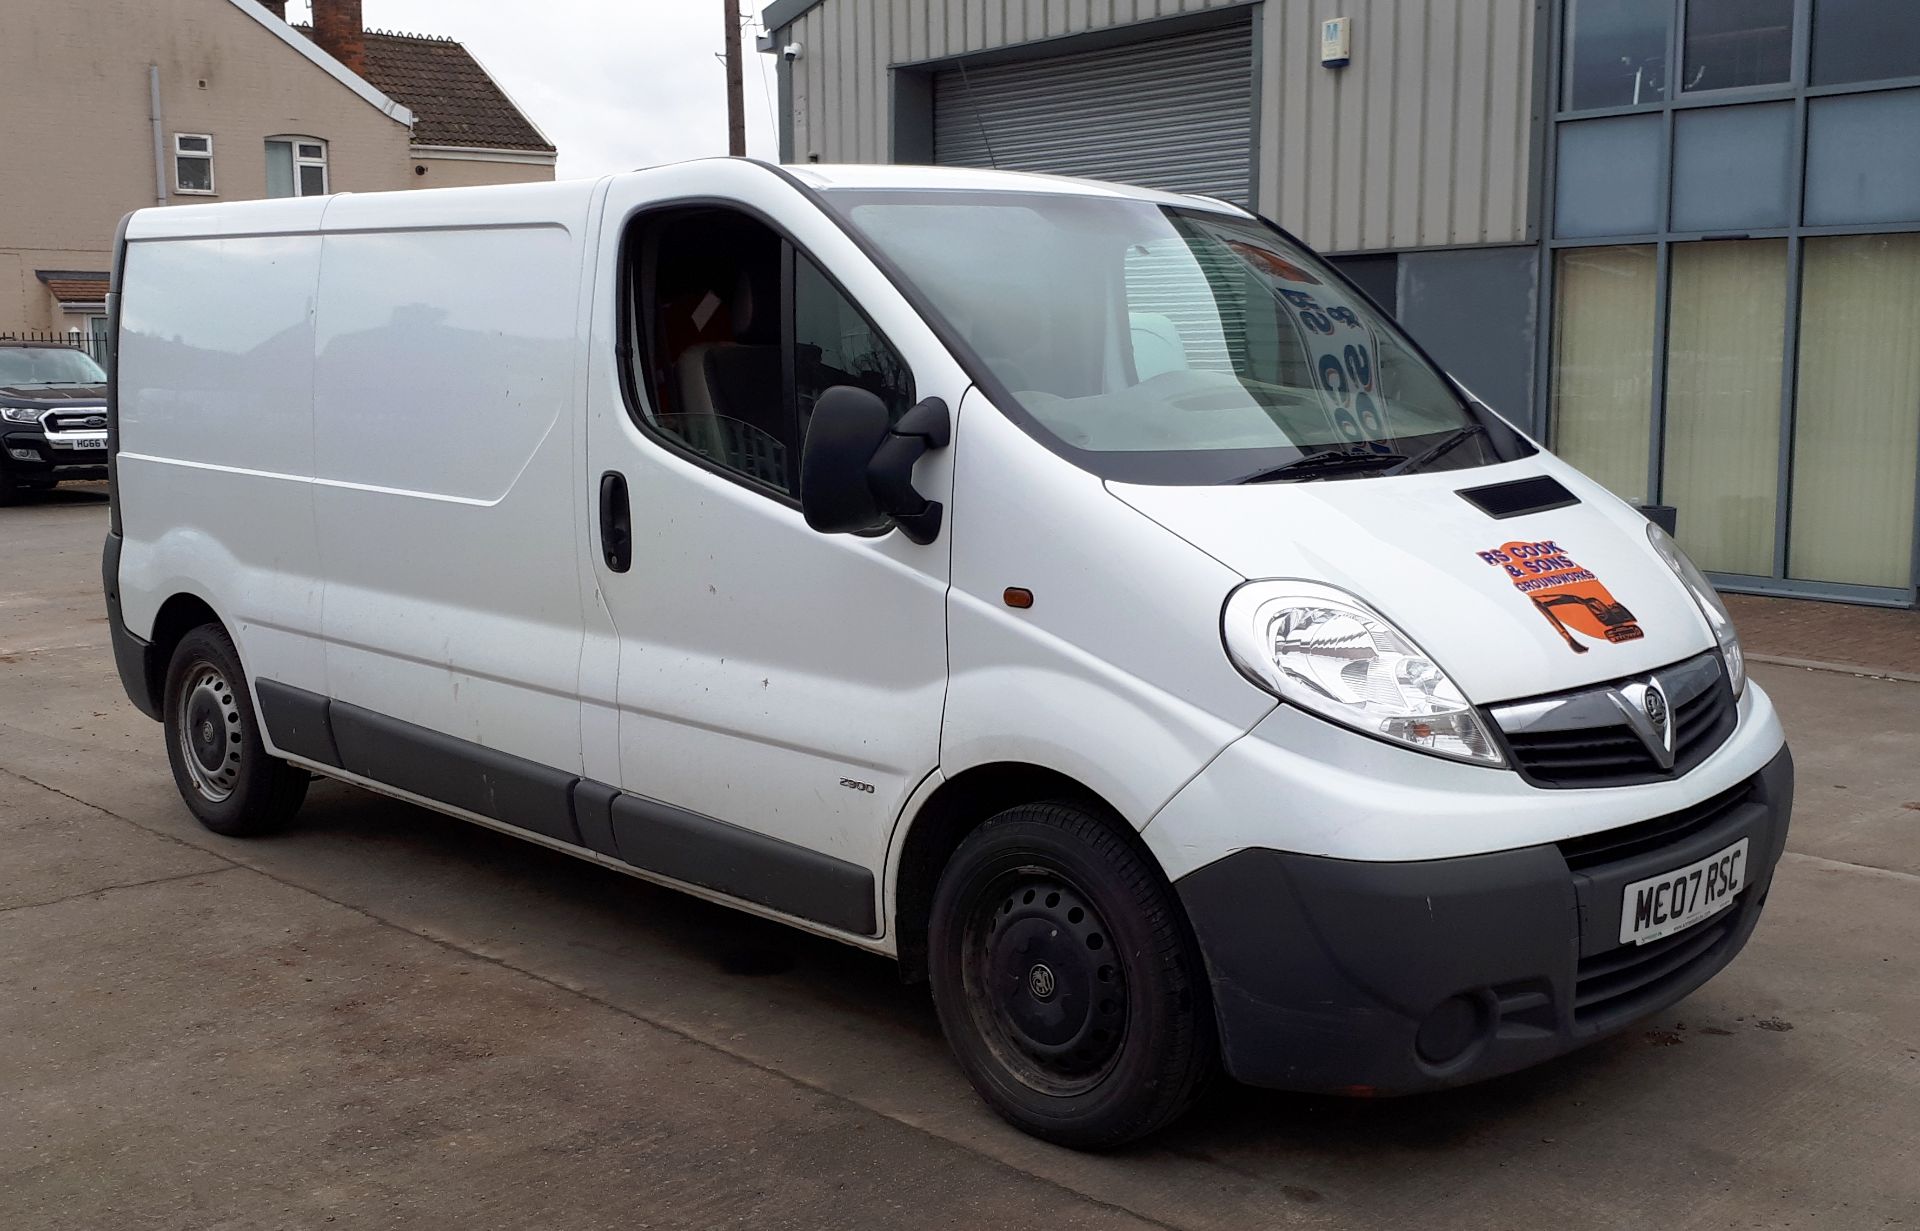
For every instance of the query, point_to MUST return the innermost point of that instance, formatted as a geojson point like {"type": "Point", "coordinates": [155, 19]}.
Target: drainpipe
{"type": "Point", "coordinates": [159, 141]}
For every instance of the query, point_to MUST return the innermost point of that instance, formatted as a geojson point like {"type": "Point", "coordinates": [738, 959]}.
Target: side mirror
{"type": "Point", "coordinates": [856, 470]}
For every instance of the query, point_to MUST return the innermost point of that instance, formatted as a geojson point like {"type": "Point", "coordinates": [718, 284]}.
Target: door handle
{"type": "Point", "coordinates": [616, 522]}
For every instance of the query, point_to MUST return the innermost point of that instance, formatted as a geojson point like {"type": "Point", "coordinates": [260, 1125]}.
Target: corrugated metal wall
{"type": "Point", "coordinates": [1425, 140]}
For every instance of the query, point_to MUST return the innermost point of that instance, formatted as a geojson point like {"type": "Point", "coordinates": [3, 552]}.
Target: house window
{"type": "Point", "coordinates": [193, 163]}
{"type": "Point", "coordinates": [296, 167]}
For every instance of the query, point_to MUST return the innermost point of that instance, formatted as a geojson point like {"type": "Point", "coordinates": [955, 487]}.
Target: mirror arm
{"type": "Point", "coordinates": [925, 426]}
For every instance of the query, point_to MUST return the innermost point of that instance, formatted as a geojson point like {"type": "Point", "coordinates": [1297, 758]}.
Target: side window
{"type": "Point", "coordinates": [708, 314]}
{"type": "Point", "coordinates": [833, 344]}
{"type": "Point", "coordinates": [736, 336]}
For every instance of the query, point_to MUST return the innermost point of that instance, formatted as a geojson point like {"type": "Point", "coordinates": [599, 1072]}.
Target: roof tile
{"type": "Point", "coordinates": [453, 100]}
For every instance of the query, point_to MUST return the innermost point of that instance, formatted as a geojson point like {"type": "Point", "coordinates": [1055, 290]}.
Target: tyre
{"type": "Point", "coordinates": [224, 772]}
{"type": "Point", "coordinates": [1066, 980]}
{"type": "Point", "coordinates": [10, 487]}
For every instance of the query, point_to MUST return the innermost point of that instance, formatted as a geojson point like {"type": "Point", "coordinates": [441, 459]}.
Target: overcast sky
{"type": "Point", "coordinates": [616, 84]}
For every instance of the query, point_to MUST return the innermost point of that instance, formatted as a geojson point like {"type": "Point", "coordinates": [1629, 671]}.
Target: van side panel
{"type": "Point", "coordinates": [444, 423]}
{"type": "Point", "coordinates": [216, 440]}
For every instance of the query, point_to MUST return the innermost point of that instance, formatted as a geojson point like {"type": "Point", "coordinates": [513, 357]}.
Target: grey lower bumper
{"type": "Point", "coordinates": [1390, 978]}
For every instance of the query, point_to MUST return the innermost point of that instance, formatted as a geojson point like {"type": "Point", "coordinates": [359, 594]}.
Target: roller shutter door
{"type": "Point", "coordinates": [1174, 113]}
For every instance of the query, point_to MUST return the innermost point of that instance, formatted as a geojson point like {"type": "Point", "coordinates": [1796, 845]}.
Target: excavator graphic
{"type": "Point", "coordinates": [1616, 622]}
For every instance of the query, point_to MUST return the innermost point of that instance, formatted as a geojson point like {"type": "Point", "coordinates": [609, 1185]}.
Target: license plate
{"type": "Point", "coordinates": [1674, 901]}
{"type": "Point", "coordinates": [94, 440]}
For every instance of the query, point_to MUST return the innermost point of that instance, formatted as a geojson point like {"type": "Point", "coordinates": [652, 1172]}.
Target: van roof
{"type": "Point", "coordinates": [563, 200]}
{"type": "Point", "coordinates": [970, 179]}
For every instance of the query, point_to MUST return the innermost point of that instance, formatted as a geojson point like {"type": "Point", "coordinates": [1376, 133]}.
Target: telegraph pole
{"type": "Point", "coordinates": [736, 110]}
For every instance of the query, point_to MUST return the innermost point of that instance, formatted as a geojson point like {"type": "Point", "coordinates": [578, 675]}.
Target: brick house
{"type": "Point", "coordinates": [113, 105]}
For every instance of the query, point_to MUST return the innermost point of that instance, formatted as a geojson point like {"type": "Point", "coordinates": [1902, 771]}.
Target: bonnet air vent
{"type": "Point", "coordinates": [1535, 495]}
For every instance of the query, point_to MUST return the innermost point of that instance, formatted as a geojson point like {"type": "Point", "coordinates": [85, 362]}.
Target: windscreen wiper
{"type": "Point", "coordinates": [1324, 463]}
{"type": "Point", "coordinates": [1411, 464]}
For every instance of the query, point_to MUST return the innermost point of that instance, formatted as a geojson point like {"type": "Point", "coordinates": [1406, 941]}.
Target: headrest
{"type": "Point", "coordinates": [755, 308]}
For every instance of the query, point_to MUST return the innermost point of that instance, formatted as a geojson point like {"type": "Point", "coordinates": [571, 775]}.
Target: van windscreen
{"type": "Point", "coordinates": [1162, 344]}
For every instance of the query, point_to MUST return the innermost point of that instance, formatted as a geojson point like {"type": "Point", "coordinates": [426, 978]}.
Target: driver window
{"type": "Point", "coordinates": [709, 314]}
{"type": "Point", "coordinates": [732, 356]}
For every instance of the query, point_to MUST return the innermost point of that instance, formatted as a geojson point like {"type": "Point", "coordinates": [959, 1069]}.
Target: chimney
{"type": "Point", "coordinates": [277, 7]}
{"type": "Point", "coordinates": [337, 31]}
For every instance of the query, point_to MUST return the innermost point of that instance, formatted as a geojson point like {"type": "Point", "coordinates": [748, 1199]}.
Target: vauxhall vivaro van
{"type": "Point", "coordinates": [1080, 593]}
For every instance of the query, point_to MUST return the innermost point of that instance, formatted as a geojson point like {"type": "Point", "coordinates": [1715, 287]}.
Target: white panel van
{"type": "Point", "coordinates": [1082, 594]}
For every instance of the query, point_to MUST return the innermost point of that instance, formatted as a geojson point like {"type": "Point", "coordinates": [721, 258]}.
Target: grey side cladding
{"type": "Point", "coordinates": [743, 864]}
{"type": "Point", "coordinates": [465, 775]}
{"type": "Point", "coordinates": [582, 812]}
{"type": "Point", "coordinates": [593, 813]}
{"type": "Point", "coordinates": [298, 721]}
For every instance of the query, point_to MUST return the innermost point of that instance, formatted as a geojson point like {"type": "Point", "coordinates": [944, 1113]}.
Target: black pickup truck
{"type": "Point", "coordinates": [53, 417]}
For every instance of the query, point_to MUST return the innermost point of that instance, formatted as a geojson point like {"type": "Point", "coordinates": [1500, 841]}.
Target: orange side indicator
{"type": "Point", "coordinates": [1018, 597]}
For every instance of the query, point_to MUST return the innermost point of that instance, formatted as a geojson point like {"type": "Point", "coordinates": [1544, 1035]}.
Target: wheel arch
{"type": "Point", "coordinates": [954, 809]}
{"type": "Point", "coordinates": [178, 616]}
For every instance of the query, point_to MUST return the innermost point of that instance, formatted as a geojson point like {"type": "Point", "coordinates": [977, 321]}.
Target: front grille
{"type": "Point", "coordinates": [1621, 982]}
{"type": "Point", "coordinates": [1581, 738]}
{"type": "Point", "coordinates": [1598, 756]}
{"type": "Point", "coordinates": [92, 420]}
{"type": "Point", "coordinates": [1612, 845]}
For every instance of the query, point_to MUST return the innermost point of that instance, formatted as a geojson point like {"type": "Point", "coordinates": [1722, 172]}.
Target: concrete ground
{"type": "Point", "coordinates": [387, 1018]}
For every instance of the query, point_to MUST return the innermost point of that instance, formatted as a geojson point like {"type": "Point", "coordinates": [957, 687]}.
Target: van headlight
{"type": "Point", "coordinates": [21, 414]}
{"type": "Point", "coordinates": [1709, 603]}
{"type": "Point", "coordinates": [1324, 650]}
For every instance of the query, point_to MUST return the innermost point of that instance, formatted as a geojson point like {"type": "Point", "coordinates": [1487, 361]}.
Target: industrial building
{"type": "Point", "coordinates": [1677, 239]}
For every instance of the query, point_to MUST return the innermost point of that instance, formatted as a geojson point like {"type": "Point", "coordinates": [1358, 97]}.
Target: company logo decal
{"type": "Point", "coordinates": [1570, 597]}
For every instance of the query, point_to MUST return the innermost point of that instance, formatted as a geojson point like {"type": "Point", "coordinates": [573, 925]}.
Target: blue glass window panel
{"type": "Point", "coordinates": [1616, 52]}
{"type": "Point", "coordinates": [1864, 40]}
{"type": "Point", "coordinates": [1733, 167]}
{"type": "Point", "coordinates": [1863, 158]}
{"type": "Point", "coordinates": [1733, 43]}
{"type": "Point", "coordinates": [1608, 177]}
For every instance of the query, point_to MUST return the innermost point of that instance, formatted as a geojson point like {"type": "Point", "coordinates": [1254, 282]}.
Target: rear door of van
{"type": "Point", "coordinates": [768, 697]}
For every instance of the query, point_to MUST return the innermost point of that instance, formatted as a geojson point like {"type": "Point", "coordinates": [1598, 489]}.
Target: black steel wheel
{"type": "Point", "coordinates": [225, 774]}
{"type": "Point", "coordinates": [1044, 988]}
{"type": "Point", "coordinates": [1065, 979]}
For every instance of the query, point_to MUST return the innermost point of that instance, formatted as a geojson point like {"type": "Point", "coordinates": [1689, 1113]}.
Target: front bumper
{"type": "Point", "coordinates": [1363, 977]}
{"type": "Point", "coordinates": [29, 453]}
